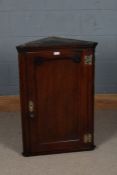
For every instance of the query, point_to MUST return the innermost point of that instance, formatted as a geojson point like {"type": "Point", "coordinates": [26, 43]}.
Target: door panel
{"type": "Point", "coordinates": [55, 88]}
{"type": "Point", "coordinates": [57, 96]}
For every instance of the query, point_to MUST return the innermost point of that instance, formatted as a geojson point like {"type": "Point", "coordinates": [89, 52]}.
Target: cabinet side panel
{"type": "Point", "coordinates": [23, 102]}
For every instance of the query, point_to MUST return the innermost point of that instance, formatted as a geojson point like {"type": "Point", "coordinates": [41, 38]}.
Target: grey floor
{"type": "Point", "coordinates": [101, 161]}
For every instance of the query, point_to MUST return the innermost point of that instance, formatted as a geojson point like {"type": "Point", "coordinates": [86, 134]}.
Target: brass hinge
{"type": "Point", "coordinates": [88, 138]}
{"type": "Point", "coordinates": [88, 59]}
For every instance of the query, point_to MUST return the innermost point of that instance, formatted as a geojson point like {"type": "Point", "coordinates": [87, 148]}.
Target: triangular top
{"type": "Point", "coordinates": [52, 42]}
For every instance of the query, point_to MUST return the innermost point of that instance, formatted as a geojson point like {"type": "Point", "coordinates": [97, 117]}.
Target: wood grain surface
{"type": "Point", "coordinates": [9, 103]}
{"type": "Point", "coordinates": [106, 101]}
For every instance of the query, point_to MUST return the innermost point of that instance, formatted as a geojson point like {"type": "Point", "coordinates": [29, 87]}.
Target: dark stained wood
{"type": "Point", "coordinates": [55, 42]}
{"type": "Point", "coordinates": [24, 101]}
{"type": "Point", "coordinates": [62, 90]}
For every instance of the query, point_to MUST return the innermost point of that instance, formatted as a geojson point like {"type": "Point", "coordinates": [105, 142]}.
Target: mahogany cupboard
{"type": "Point", "coordinates": [57, 95]}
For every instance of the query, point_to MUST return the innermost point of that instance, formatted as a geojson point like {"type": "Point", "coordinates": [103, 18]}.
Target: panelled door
{"type": "Point", "coordinates": [56, 122]}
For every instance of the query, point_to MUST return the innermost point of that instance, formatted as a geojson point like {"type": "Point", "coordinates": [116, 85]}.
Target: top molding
{"type": "Point", "coordinates": [55, 42]}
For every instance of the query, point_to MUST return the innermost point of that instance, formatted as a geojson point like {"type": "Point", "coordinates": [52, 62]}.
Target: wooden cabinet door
{"type": "Point", "coordinates": [56, 123]}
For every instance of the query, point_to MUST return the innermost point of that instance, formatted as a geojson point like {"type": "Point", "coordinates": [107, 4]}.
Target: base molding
{"type": "Point", "coordinates": [9, 103]}
{"type": "Point", "coordinates": [106, 101]}
{"type": "Point", "coordinates": [102, 101]}
{"type": "Point", "coordinates": [28, 154]}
